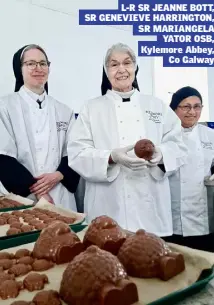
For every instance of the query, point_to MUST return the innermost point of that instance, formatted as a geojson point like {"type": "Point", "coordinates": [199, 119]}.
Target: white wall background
{"type": "Point", "coordinates": [76, 52]}
{"type": "Point", "coordinates": [176, 78]}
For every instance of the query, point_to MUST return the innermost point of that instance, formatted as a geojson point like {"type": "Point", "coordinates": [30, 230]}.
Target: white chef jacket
{"type": "Point", "coordinates": [37, 138]}
{"type": "Point", "coordinates": [134, 199]}
{"type": "Point", "coordinates": [189, 195]}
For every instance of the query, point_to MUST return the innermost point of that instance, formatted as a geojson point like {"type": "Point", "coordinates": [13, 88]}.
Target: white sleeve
{"type": "Point", "coordinates": [172, 147]}
{"type": "Point", "coordinates": [89, 162]}
{"type": "Point", "coordinates": [7, 139]}
{"type": "Point", "coordinates": [70, 127]}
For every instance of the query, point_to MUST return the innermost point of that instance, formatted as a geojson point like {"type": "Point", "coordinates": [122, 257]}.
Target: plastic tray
{"type": "Point", "coordinates": [178, 296]}
{"type": "Point", "coordinates": [29, 237]}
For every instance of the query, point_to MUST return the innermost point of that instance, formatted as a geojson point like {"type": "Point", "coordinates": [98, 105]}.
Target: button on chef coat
{"type": "Point", "coordinates": [128, 115]}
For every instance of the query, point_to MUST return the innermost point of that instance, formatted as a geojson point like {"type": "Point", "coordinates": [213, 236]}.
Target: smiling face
{"type": "Point", "coordinates": [34, 77]}
{"type": "Point", "coordinates": [121, 71]}
{"type": "Point", "coordinates": [189, 111]}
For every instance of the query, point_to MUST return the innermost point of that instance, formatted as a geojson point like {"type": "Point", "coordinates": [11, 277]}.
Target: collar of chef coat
{"type": "Point", "coordinates": [189, 129]}
{"type": "Point", "coordinates": [34, 97]}
{"type": "Point", "coordinates": [116, 97]}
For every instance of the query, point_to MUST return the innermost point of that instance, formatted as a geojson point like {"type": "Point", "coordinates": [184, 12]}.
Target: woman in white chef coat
{"type": "Point", "coordinates": [189, 195]}
{"type": "Point", "coordinates": [100, 148]}
{"type": "Point", "coordinates": [33, 132]}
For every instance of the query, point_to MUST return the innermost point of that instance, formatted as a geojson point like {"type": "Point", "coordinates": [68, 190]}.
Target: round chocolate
{"type": "Point", "coordinates": [144, 149]}
{"type": "Point", "coordinates": [20, 269]}
{"type": "Point", "coordinates": [10, 289]}
{"type": "Point", "coordinates": [42, 265]}
{"type": "Point", "coordinates": [26, 228]}
{"type": "Point", "coordinates": [16, 225]}
{"type": "Point", "coordinates": [22, 252]}
{"type": "Point", "coordinates": [27, 212]}
{"type": "Point", "coordinates": [17, 213]}
{"type": "Point", "coordinates": [13, 231]}
{"type": "Point", "coordinates": [43, 217]}
{"type": "Point", "coordinates": [48, 221]}
{"type": "Point", "coordinates": [5, 276]}
{"type": "Point", "coordinates": [40, 226]}
{"type": "Point", "coordinates": [6, 263]}
{"type": "Point", "coordinates": [27, 260]}
{"type": "Point", "coordinates": [6, 255]}
{"type": "Point", "coordinates": [3, 221]}
{"type": "Point", "coordinates": [12, 219]}
{"type": "Point", "coordinates": [6, 215]}
{"type": "Point", "coordinates": [47, 297]}
{"type": "Point", "coordinates": [34, 222]}
{"type": "Point", "coordinates": [35, 281]}
{"type": "Point", "coordinates": [68, 220]}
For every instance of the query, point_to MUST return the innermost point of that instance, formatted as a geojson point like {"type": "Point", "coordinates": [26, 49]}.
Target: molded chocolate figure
{"type": "Point", "coordinates": [146, 255]}
{"type": "Point", "coordinates": [57, 243]}
{"type": "Point", "coordinates": [105, 233]}
{"type": "Point", "coordinates": [144, 149]}
{"type": "Point", "coordinates": [96, 277]}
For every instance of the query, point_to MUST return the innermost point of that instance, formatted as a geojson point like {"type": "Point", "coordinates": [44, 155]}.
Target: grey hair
{"type": "Point", "coordinates": [120, 47]}
{"type": "Point", "coordinates": [33, 46]}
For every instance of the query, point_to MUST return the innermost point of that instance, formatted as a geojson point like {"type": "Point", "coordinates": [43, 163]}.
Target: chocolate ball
{"type": "Point", "coordinates": [144, 149]}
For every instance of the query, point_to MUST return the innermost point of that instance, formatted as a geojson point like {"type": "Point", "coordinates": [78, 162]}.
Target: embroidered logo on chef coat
{"type": "Point", "coordinates": [207, 145]}
{"type": "Point", "coordinates": [154, 116]}
{"type": "Point", "coordinates": [62, 126]}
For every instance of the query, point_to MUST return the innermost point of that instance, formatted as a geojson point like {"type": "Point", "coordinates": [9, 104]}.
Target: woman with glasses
{"type": "Point", "coordinates": [188, 193]}
{"type": "Point", "coordinates": [33, 132]}
{"type": "Point", "coordinates": [132, 191]}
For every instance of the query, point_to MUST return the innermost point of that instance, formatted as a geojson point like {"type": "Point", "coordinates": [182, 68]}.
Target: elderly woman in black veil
{"type": "Point", "coordinates": [131, 190]}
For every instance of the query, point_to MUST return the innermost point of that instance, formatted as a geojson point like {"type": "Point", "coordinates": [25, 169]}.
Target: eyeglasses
{"type": "Point", "coordinates": [32, 64]}
{"type": "Point", "coordinates": [115, 65]}
{"type": "Point", "coordinates": [187, 108]}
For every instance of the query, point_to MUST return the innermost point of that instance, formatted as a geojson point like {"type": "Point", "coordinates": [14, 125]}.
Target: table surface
{"type": "Point", "coordinates": [204, 297]}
